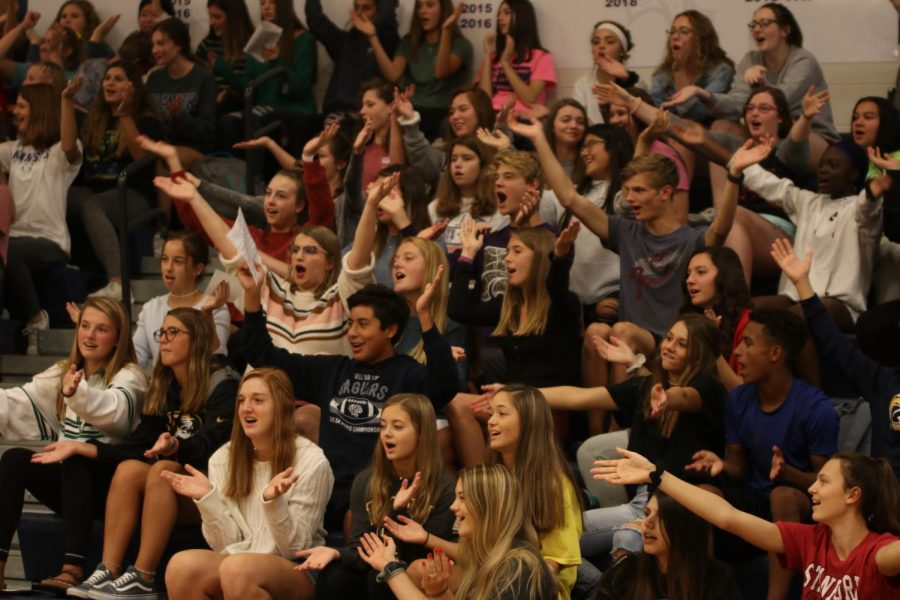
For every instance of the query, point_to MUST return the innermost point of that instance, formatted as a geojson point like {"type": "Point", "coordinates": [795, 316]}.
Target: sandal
{"type": "Point", "coordinates": [62, 581]}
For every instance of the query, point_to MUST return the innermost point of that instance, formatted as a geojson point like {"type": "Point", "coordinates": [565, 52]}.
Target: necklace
{"type": "Point", "coordinates": [174, 295]}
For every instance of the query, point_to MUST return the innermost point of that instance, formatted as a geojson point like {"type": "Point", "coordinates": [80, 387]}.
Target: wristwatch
{"type": "Point", "coordinates": [395, 567]}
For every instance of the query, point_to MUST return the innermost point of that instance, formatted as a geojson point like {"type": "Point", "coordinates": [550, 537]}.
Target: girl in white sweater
{"type": "Point", "coordinates": [263, 501]}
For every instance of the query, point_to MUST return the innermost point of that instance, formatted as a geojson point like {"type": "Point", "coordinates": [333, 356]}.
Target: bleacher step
{"type": "Point", "coordinates": [55, 342]}
{"type": "Point", "coordinates": [19, 366]}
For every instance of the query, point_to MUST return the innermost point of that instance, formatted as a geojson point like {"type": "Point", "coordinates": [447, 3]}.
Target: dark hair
{"type": "Point", "coordinates": [386, 304]}
{"type": "Point", "coordinates": [286, 18]}
{"type": "Point", "coordinates": [43, 124]}
{"type": "Point", "coordinates": [415, 200]}
{"type": "Point", "coordinates": [620, 149]}
{"type": "Point", "coordinates": [73, 42]}
{"type": "Point", "coordinates": [238, 27]}
{"type": "Point", "coordinates": [888, 137]}
{"type": "Point", "coordinates": [137, 50]}
{"type": "Point", "coordinates": [177, 31]}
{"type": "Point", "coordinates": [781, 106]}
{"type": "Point", "coordinates": [786, 328]}
{"type": "Point", "coordinates": [91, 20]}
{"type": "Point", "coordinates": [341, 148]}
{"type": "Point", "coordinates": [709, 53]}
{"type": "Point", "coordinates": [96, 122]}
{"type": "Point", "coordinates": [416, 34]}
{"type": "Point", "coordinates": [644, 96]}
{"type": "Point", "coordinates": [550, 134]}
{"type": "Point", "coordinates": [522, 29]}
{"type": "Point", "coordinates": [629, 43]}
{"type": "Point", "coordinates": [194, 245]}
{"type": "Point", "coordinates": [166, 5]}
{"type": "Point", "coordinates": [56, 74]}
{"type": "Point", "coordinates": [383, 88]}
{"type": "Point", "coordinates": [880, 505]}
{"type": "Point", "coordinates": [482, 104]}
{"type": "Point", "coordinates": [785, 18]}
{"type": "Point", "coordinates": [732, 295]}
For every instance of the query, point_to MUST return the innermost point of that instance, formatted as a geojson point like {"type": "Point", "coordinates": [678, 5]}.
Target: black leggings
{"type": "Point", "coordinates": [76, 490]}
{"type": "Point", "coordinates": [338, 581]}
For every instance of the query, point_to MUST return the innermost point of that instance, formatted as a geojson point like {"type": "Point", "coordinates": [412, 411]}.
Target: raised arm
{"type": "Point", "coordinates": [10, 38]}
{"type": "Point", "coordinates": [68, 127]}
{"type": "Point", "coordinates": [447, 64]}
{"type": "Point", "coordinates": [364, 239]}
{"type": "Point", "coordinates": [575, 398]}
{"type": "Point", "coordinates": [592, 216]}
{"type": "Point", "coordinates": [528, 92]}
{"type": "Point", "coordinates": [284, 158]}
{"type": "Point", "coordinates": [391, 69]}
{"type": "Point", "coordinates": [490, 47]}
{"type": "Point", "coordinates": [635, 469]}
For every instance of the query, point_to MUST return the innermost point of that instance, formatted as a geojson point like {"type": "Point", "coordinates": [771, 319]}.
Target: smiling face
{"type": "Point", "coordinates": [398, 435]}
{"type": "Point", "coordinates": [569, 125]}
{"type": "Point", "coordinates": [682, 40]}
{"type": "Point", "coordinates": [761, 116]}
{"type": "Point", "coordinates": [164, 49]}
{"type": "Point", "coordinates": [673, 350]}
{"type": "Point", "coordinates": [97, 336]}
{"type": "Point", "coordinates": [464, 525]}
{"type": "Point", "coordinates": [280, 204]}
{"type": "Point", "coordinates": [147, 17]}
{"type": "Point", "coordinates": [465, 166]}
{"type": "Point", "coordinates": [830, 499]}
{"type": "Point", "coordinates": [114, 84]}
{"type": "Point", "coordinates": [174, 351]}
{"type": "Point", "coordinates": [653, 532]}
{"type": "Point", "coordinates": [267, 10]}
{"type": "Point", "coordinates": [462, 117]}
{"type": "Point", "coordinates": [376, 109]}
{"type": "Point", "coordinates": [179, 273]}
{"type": "Point", "coordinates": [429, 14]}
{"type": "Point", "coordinates": [620, 116]}
{"type": "Point", "coordinates": [509, 187]}
{"type": "Point", "coordinates": [22, 114]}
{"type": "Point", "coordinates": [646, 202]}
{"type": "Point", "coordinates": [771, 37]}
{"type": "Point", "coordinates": [504, 427]}
{"type": "Point", "coordinates": [505, 19]}
{"type": "Point", "coordinates": [595, 156]}
{"type": "Point", "coordinates": [837, 176]}
{"type": "Point", "coordinates": [865, 123]}
{"type": "Point", "coordinates": [217, 19]}
{"type": "Point", "coordinates": [519, 258]}
{"type": "Point", "coordinates": [309, 269]}
{"type": "Point", "coordinates": [701, 280]}
{"type": "Point", "coordinates": [256, 409]}
{"type": "Point", "coordinates": [408, 271]}
{"type": "Point", "coordinates": [606, 43]}
{"type": "Point", "coordinates": [368, 341]}
{"type": "Point", "coordinates": [73, 17]}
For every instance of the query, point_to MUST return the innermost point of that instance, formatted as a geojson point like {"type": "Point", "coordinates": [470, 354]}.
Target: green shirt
{"type": "Point", "coordinates": [430, 91]}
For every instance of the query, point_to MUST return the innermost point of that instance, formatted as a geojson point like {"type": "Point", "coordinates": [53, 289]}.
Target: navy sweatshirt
{"type": "Point", "coordinates": [351, 394]}
{"type": "Point", "coordinates": [878, 384]}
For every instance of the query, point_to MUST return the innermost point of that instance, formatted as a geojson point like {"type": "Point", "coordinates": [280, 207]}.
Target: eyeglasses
{"type": "Point", "coordinates": [168, 333]}
{"type": "Point", "coordinates": [763, 109]}
{"type": "Point", "coordinates": [309, 250]}
{"type": "Point", "coordinates": [762, 24]}
{"type": "Point", "coordinates": [588, 144]}
{"type": "Point", "coordinates": [681, 31]}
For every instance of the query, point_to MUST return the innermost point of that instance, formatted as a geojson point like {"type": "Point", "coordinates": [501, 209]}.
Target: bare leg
{"type": "Point", "coordinates": [468, 436]}
{"type": "Point", "coordinates": [123, 507]}
{"type": "Point", "coordinates": [751, 238]}
{"type": "Point", "coordinates": [262, 576]}
{"type": "Point", "coordinates": [194, 574]}
{"type": "Point", "coordinates": [595, 371]}
{"type": "Point", "coordinates": [162, 509]}
{"type": "Point", "coordinates": [792, 505]}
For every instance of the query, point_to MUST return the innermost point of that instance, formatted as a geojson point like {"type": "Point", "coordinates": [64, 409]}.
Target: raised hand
{"type": "Point", "coordinates": [323, 139]}
{"type": "Point", "coordinates": [633, 469]}
{"type": "Point", "coordinates": [406, 530]}
{"type": "Point", "coordinates": [459, 353]}
{"type": "Point", "coordinates": [165, 445]}
{"type": "Point", "coordinates": [614, 350]}
{"type": "Point", "coordinates": [531, 130]}
{"type": "Point", "coordinates": [529, 206]}
{"type": "Point", "coordinates": [424, 302]}
{"type": "Point", "coordinates": [706, 462]}
{"type": "Point", "coordinates": [754, 75]}
{"type": "Point", "coordinates": [402, 105]}
{"type": "Point", "coordinates": [362, 23]}
{"type": "Point", "coordinates": [884, 161]}
{"type": "Point", "coordinates": [407, 491]}
{"type": "Point", "coordinates": [375, 552]}
{"type": "Point", "coordinates": [613, 68]}
{"type": "Point", "coordinates": [748, 154]}
{"type": "Point", "coordinates": [879, 185]}
{"type": "Point", "coordinates": [710, 313]}
{"type": "Point", "coordinates": [167, 152]}
{"type": "Point", "coordinates": [813, 102]}
{"type": "Point", "coordinates": [377, 192]}
{"type": "Point", "coordinates": [73, 311]}
{"type": "Point", "coordinates": [180, 189]}
{"type": "Point", "coordinates": [658, 400]}
{"type": "Point", "coordinates": [71, 380]}
{"type": "Point", "coordinates": [471, 235]}
{"type": "Point", "coordinates": [451, 21]}
{"type": "Point", "coordinates": [57, 452]}
{"type": "Point", "coordinates": [509, 50]}
{"type": "Point", "coordinates": [658, 127]}
{"type": "Point", "coordinates": [72, 88]}
{"type": "Point", "coordinates": [194, 485]}
{"type": "Point", "coordinates": [363, 137]}
{"type": "Point", "coordinates": [218, 298]}
{"type": "Point", "coordinates": [432, 232]}
{"type": "Point", "coordinates": [103, 29]}
{"type": "Point", "coordinates": [565, 240]}
{"type": "Point", "coordinates": [503, 114]}
{"type": "Point", "coordinates": [271, 52]}
{"type": "Point", "coordinates": [608, 93]}
{"type": "Point", "coordinates": [317, 558]}
{"type": "Point", "coordinates": [493, 139]}
{"type": "Point", "coordinates": [438, 571]}
{"type": "Point", "coordinates": [280, 484]}
{"type": "Point", "coordinates": [777, 469]}
{"type": "Point", "coordinates": [796, 270]}
{"type": "Point", "coordinates": [254, 143]}
{"type": "Point", "coordinates": [245, 278]}
{"type": "Point", "coordinates": [489, 43]}
{"type": "Point", "coordinates": [682, 96]}
{"type": "Point", "coordinates": [31, 19]}
{"type": "Point", "coordinates": [126, 104]}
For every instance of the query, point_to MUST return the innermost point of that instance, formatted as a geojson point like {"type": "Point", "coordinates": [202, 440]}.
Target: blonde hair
{"type": "Point", "coordinates": [504, 545]}
{"type": "Point", "coordinates": [434, 258]}
{"type": "Point", "coordinates": [428, 463]}
{"type": "Point", "coordinates": [534, 295]}
{"type": "Point", "coordinates": [199, 368]}
{"type": "Point", "coordinates": [240, 454]}
{"type": "Point", "coordinates": [123, 352]}
{"type": "Point", "coordinates": [523, 163]}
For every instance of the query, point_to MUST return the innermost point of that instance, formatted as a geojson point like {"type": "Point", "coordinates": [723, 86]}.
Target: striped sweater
{"type": "Point", "coordinates": [95, 411]}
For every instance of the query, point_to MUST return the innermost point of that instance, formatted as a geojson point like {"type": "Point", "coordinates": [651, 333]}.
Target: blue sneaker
{"type": "Point", "coordinates": [99, 579]}
{"type": "Point", "coordinates": [129, 585]}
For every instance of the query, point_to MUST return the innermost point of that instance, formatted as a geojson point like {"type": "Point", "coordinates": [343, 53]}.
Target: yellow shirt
{"type": "Point", "coordinates": [562, 544]}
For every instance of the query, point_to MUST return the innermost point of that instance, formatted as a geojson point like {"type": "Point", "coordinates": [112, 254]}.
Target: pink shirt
{"type": "Point", "coordinates": [539, 67]}
{"type": "Point", "coordinates": [808, 549]}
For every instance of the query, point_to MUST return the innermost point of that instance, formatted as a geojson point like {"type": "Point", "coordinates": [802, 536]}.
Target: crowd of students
{"type": "Point", "coordinates": [456, 285]}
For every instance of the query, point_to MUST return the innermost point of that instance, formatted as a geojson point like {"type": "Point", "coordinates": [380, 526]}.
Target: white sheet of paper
{"type": "Point", "coordinates": [239, 235]}
{"type": "Point", "coordinates": [266, 34]}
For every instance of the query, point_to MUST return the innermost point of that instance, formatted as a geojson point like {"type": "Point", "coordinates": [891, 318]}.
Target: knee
{"type": "Point", "coordinates": [13, 460]}
{"type": "Point", "coordinates": [131, 473]}
{"type": "Point", "coordinates": [625, 331]}
{"type": "Point", "coordinates": [154, 480]}
{"type": "Point", "coordinates": [237, 575]}
{"type": "Point", "coordinates": [593, 332]}
{"type": "Point", "coordinates": [181, 569]}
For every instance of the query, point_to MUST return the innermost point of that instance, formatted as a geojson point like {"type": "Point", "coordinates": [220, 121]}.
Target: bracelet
{"type": "Point", "coordinates": [655, 478]}
{"type": "Point", "coordinates": [803, 114]}
{"type": "Point", "coordinates": [395, 567]}
{"type": "Point", "coordinates": [182, 174]}
{"type": "Point", "coordinates": [637, 105]}
{"type": "Point", "coordinates": [738, 179]}
{"type": "Point", "coordinates": [427, 537]}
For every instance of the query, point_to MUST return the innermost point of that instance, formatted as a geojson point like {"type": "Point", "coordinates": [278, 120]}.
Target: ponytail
{"type": "Point", "coordinates": [880, 504]}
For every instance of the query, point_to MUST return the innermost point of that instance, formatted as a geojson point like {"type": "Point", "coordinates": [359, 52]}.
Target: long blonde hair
{"type": "Point", "coordinates": [535, 295]}
{"type": "Point", "coordinates": [199, 368]}
{"type": "Point", "coordinates": [240, 454]}
{"type": "Point", "coordinates": [539, 461]}
{"type": "Point", "coordinates": [122, 354]}
{"type": "Point", "coordinates": [434, 258]}
{"type": "Point", "coordinates": [504, 545]}
{"type": "Point", "coordinates": [428, 463]}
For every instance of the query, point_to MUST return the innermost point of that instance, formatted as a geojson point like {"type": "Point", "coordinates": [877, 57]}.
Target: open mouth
{"type": "Point", "coordinates": [399, 275]}
{"type": "Point", "coordinates": [390, 446]}
{"type": "Point", "coordinates": [356, 347]}
{"type": "Point", "coordinates": [493, 433]}
{"type": "Point", "coordinates": [501, 197]}
{"type": "Point", "coordinates": [89, 345]}
{"type": "Point", "coordinates": [649, 538]}
{"type": "Point", "coordinates": [299, 271]}
{"type": "Point", "coordinates": [250, 420]}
